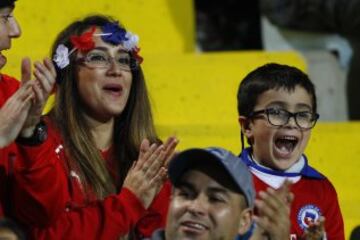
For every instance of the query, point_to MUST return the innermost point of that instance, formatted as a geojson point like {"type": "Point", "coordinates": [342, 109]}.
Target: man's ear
{"type": "Point", "coordinates": [245, 221]}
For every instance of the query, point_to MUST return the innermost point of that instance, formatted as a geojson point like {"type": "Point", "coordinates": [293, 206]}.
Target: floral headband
{"type": "Point", "coordinates": [112, 33]}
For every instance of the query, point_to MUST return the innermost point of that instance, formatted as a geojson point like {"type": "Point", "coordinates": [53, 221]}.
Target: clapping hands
{"type": "Point", "coordinates": [22, 111]}
{"type": "Point", "coordinates": [273, 219]}
{"type": "Point", "coordinates": [45, 77]}
{"type": "Point", "coordinates": [149, 172]}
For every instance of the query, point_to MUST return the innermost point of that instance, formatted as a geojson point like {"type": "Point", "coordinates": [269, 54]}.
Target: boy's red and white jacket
{"type": "Point", "coordinates": [75, 217]}
{"type": "Point", "coordinates": [314, 196]}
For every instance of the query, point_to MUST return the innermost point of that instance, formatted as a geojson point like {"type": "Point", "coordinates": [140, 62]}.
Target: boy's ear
{"type": "Point", "coordinates": [245, 124]}
{"type": "Point", "coordinates": [245, 221]}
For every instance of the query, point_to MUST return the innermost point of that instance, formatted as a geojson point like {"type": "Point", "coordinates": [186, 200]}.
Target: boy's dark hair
{"type": "Point", "coordinates": [271, 76]}
{"type": "Point", "coordinates": [7, 3]}
{"type": "Point", "coordinates": [355, 233]}
{"type": "Point", "coordinates": [11, 226]}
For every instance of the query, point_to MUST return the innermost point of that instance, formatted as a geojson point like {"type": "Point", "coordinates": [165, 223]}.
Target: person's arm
{"type": "Point", "coordinates": [155, 216]}
{"type": "Point", "coordinates": [116, 215]}
{"type": "Point", "coordinates": [110, 218]}
{"type": "Point", "coordinates": [41, 195]}
{"type": "Point", "coordinates": [39, 184]}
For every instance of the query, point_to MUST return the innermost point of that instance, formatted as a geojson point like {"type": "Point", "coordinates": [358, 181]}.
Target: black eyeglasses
{"type": "Point", "coordinates": [280, 117]}
{"type": "Point", "coordinates": [101, 59]}
{"type": "Point", "coordinates": [6, 17]}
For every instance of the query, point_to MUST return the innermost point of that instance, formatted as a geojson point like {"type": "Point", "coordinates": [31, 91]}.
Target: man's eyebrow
{"type": "Point", "coordinates": [182, 184]}
{"type": "Point", "coordinates": [221, 190]}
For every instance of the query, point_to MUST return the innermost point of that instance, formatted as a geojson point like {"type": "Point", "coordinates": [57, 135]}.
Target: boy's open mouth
{"type": "Point", "coordinates": [286, 144]}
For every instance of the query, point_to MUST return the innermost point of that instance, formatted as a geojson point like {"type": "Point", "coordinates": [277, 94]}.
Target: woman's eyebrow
{"type": "Point", "coordinates": [123, 51]}
{"type": "Point", "coordinates": [105, 49]}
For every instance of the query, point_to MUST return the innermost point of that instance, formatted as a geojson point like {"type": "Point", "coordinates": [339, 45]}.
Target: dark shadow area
{"type": "Point", "coordinates": [227, 25]}
{"type": "Point", "coordinates": [355, 234]}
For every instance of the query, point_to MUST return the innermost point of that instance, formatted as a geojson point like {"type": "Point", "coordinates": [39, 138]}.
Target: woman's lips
{"type": "Point", "coordinates": [113, 89]}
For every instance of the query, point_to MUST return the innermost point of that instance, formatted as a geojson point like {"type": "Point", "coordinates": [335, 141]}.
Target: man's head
{"type": "Point", "coordinates": [9, 27]}
{"type": "Point", "coordinates": [277, 109]}
{"type": "Point", "coordinates": [213, 195]}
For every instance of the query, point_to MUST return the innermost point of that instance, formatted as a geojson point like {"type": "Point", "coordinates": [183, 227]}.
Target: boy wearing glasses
{"type": "Point", "coordinates": [277, 109]}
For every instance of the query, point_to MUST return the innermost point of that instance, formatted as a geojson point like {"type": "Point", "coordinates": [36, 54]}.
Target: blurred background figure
{"type": "Point", "coordinates": [325, 32]}
{"type": "Point", "coordinates": [9, 230]}
{"type": "Point", "coordinates": [355, 234]}
{"type": "Point", "coordinates": [229, 25]}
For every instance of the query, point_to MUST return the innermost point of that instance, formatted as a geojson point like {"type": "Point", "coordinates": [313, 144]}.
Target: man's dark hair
{"type": "Point", "coordinates": [7, 3]}
{"type": "Point", "coordinates": [11, 226]}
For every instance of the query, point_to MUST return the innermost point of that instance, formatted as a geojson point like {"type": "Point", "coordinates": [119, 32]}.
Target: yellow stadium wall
{"type": "Point", "coordinates": [193, 95]}
{"type": "Point", "coordinates": [166, 25]}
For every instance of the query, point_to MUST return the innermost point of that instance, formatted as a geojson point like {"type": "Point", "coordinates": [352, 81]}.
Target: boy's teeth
{"type": "Point", "coordinates": [286, 144]}
{"type": "Point", "coordinates": [289, 138]}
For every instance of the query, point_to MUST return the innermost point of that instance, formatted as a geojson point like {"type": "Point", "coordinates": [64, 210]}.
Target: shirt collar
{"type": "Point", "coordinates": [293, 171]}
